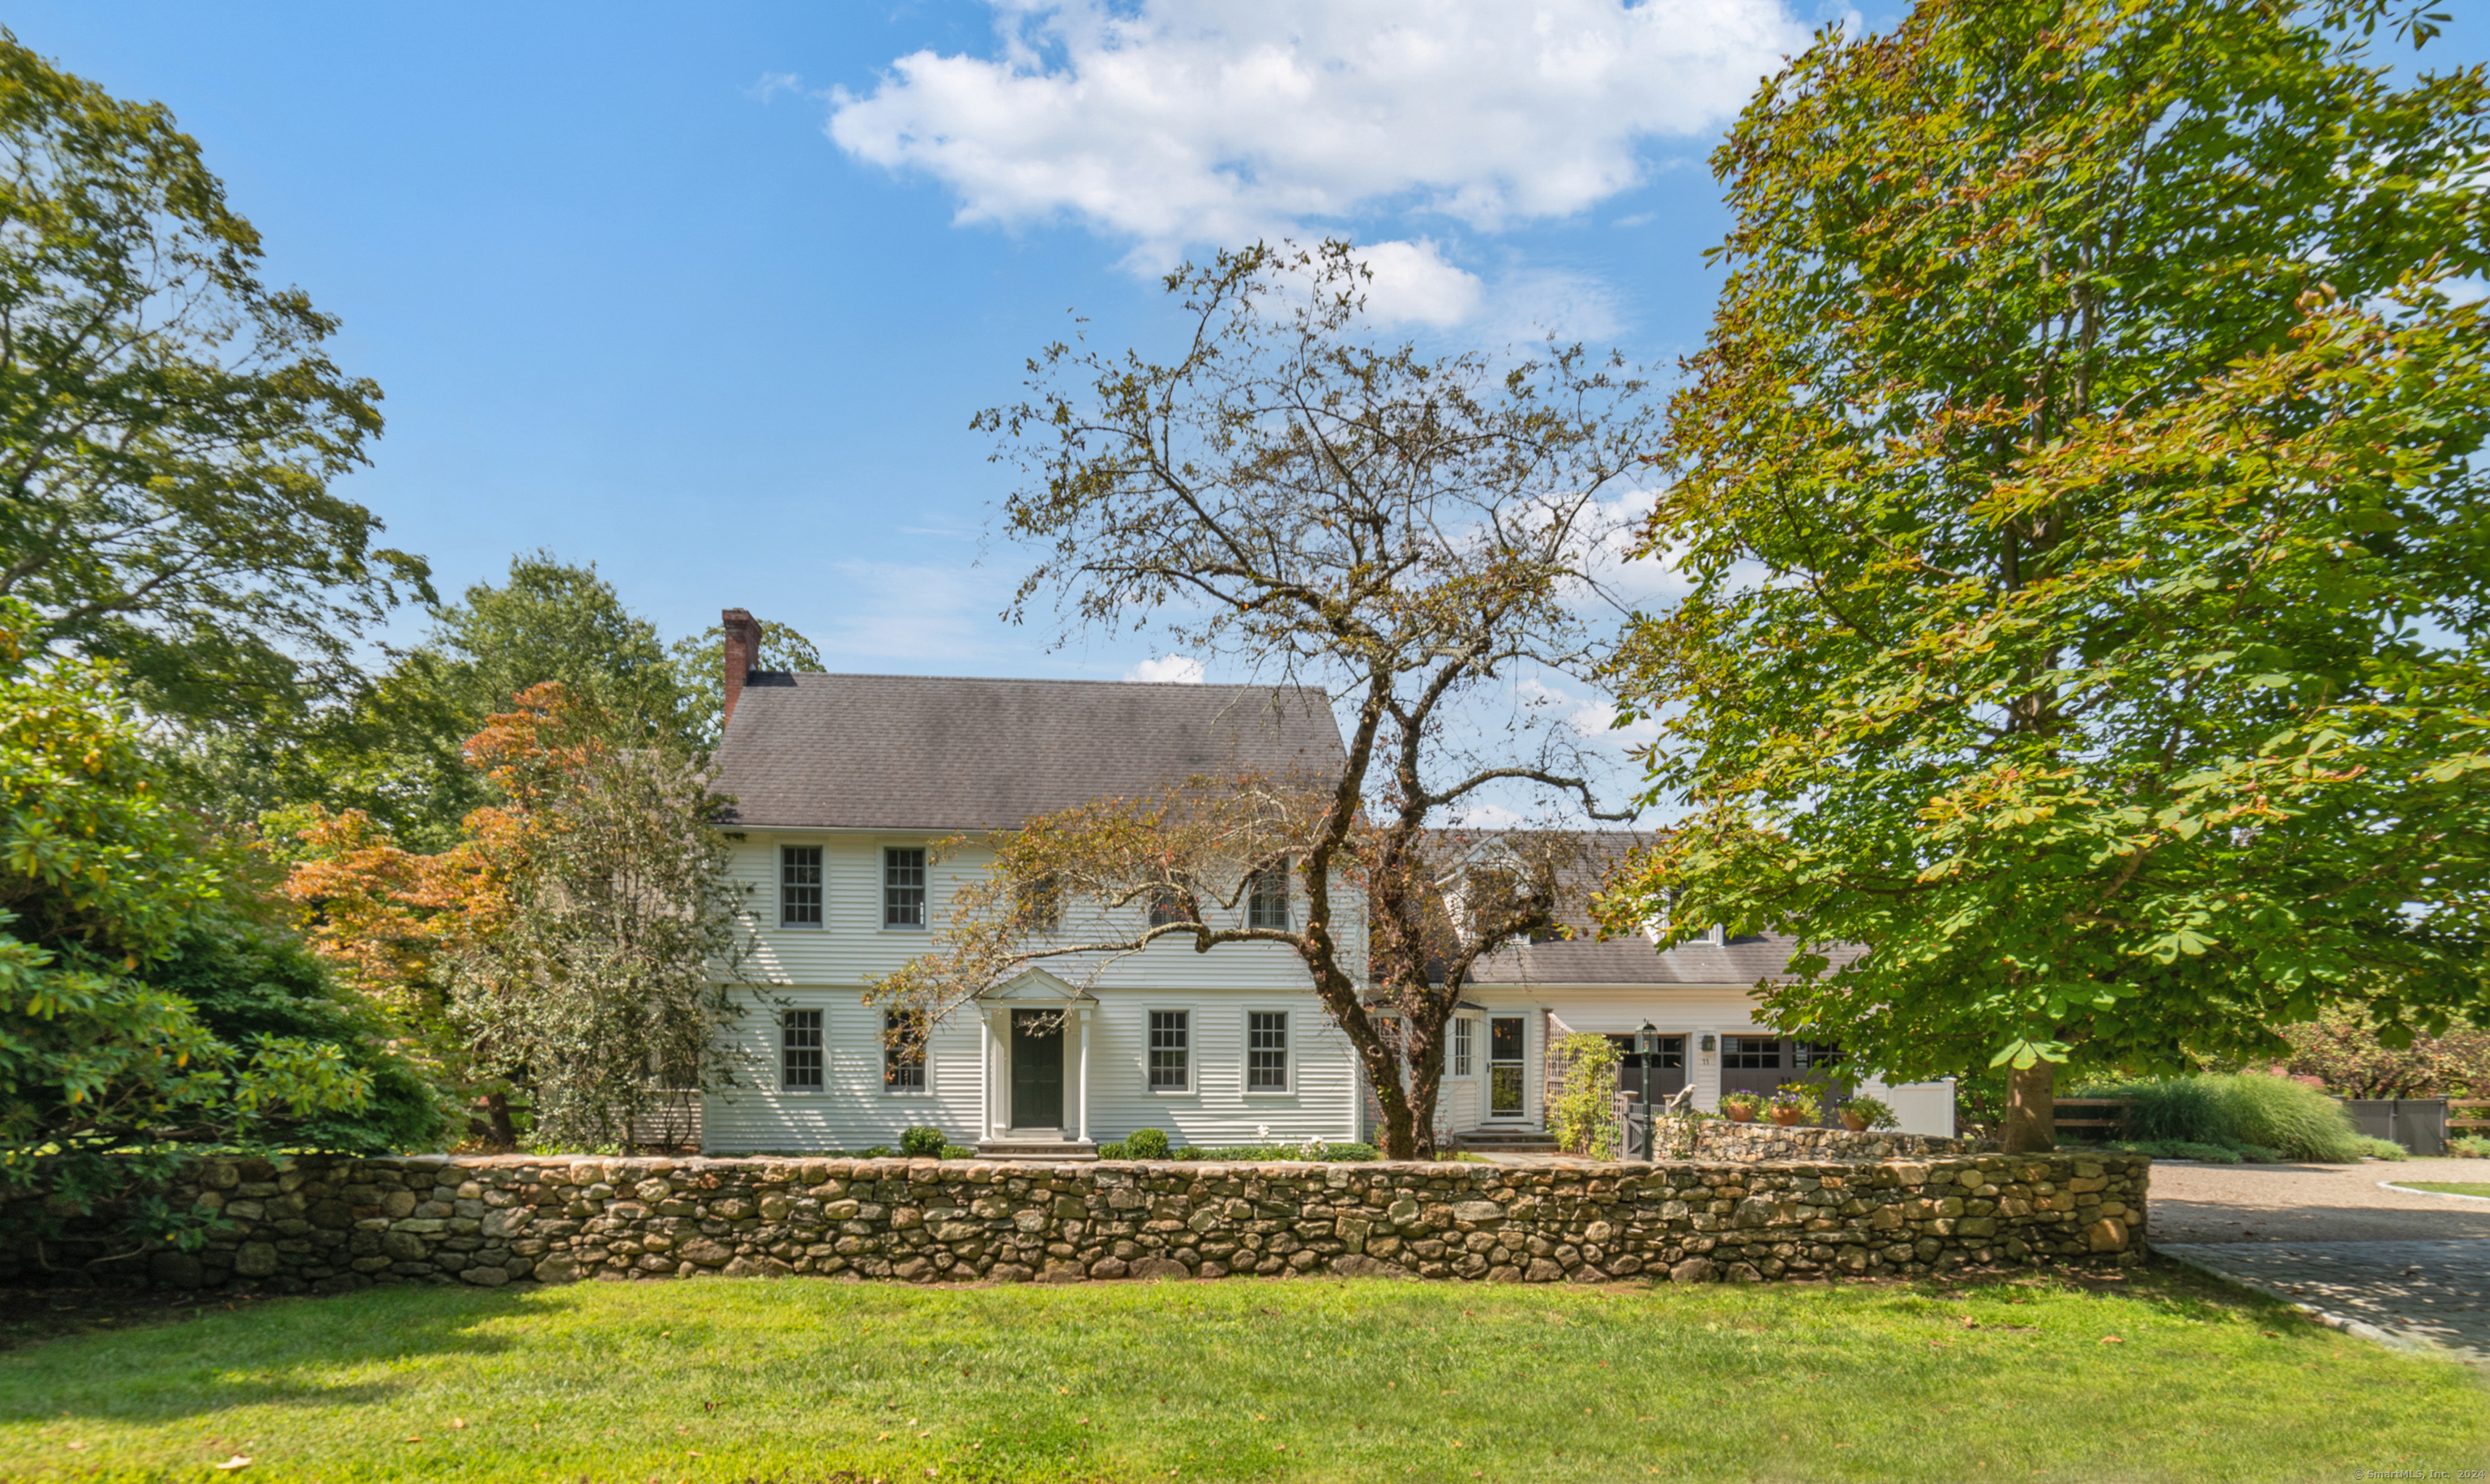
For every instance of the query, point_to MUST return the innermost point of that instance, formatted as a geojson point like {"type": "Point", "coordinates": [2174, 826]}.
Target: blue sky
{"type": "Point", "coordinates": [631, 299]}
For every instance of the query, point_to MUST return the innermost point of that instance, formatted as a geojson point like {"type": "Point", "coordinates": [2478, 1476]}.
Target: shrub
{"type": "Point", "coordinates": [1116, 1151]}
{"type": "Point", "coordinates": [2178, 1149]}
{"type": "Point", "coordinates": [2273, 1114]}
{"type": "Point", "coordinates": [2384, 1148]}
{"type": "Point", "coordinates": [958, 1152]}
{"type": "Point", "coordinates": [1145, 1143]}
{"type": "Point", "coordinates": [1312, 1151]}
{"type": "Point", "coordinates": [922, 1143]}
{"type": "Point", "coordinates": [878, 1151]}
{"type": "Point", "coordinates": [2281, 1114]}
{"type": "Point", "coordinates": [2469, 1147]}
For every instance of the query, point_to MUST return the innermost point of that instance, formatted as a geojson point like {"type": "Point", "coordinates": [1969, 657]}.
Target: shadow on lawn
{"type": "Point", "coordinates": [194, 1360]}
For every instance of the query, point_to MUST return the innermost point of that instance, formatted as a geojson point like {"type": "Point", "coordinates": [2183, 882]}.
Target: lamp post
{"type": "Point", "coordinates": [1647, 1042]}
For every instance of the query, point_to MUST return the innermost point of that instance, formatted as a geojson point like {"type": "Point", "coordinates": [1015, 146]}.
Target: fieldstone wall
{"type": "Point", "coordinates": [322, 1226]}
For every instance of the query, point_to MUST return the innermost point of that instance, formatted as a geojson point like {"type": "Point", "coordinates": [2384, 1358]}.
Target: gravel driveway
{"type": "Point", "coordinates": [2415, 1266]}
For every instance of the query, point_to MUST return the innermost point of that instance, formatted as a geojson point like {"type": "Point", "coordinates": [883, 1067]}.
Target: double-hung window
{"type": "Point", "coordinates": [1166, 907]}
{"type": "Point", "coordinates": [799, 886]}
{"type": "Point", "coordinates": [1171, 1051]}
{"type": "Point", "coordinates": [799, 1051]}
{"type": "Point", "coordinates": [1266, 1050]}
{"type": "Point", "coordinates": [903, 1052]}
{"type": "Point", "coordinates": [903, 886]}
{"type": "Point", "coordinates": [1461, 1045]}
{"type": "Point", "coordinates": [1267, 904]}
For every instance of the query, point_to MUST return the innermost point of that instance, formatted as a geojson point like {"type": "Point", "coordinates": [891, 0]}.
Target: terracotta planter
{"type": "Point", "coordinates": [1854, 1122]}
{"type": "Point", "coordinates": [1785, 1117]}
{"type": "Point", "coordinates": [1739, 1115]}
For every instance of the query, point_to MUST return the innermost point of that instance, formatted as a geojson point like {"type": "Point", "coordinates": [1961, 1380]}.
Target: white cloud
{"type": "Point", "coordinates": [1176, 123]}
{"type": "Point", "coordinates": [1412, 283]}
{"type": "Point", "coordinates": [1177, 669]}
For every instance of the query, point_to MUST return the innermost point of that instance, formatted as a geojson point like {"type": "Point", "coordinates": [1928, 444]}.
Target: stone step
{"type": "Point", "coordinates": [1052, 1151]}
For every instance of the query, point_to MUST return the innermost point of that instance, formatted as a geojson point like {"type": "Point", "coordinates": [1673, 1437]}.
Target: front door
{"type": "Point", "coordinates": [1037, 1069]}
{"type": "Point", "coordinates": [1507, 1036]}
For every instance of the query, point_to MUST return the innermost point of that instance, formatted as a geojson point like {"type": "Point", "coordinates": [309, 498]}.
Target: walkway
{"type": "Point", "coordinates": [2415, 1266]}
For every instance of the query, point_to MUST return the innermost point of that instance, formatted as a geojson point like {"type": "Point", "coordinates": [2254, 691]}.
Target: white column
{"type": "Point", "coordinates": [1084, 1116]}
{"type": "Point", "coordinates": [986, 1073]}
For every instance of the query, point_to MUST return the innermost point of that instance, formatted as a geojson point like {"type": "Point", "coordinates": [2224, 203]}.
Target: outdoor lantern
{"type": "Point", "coordinates": [1707, 1042]}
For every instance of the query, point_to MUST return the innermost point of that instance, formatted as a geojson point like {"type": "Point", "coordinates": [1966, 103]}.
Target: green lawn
{"type": "Point", "coordinates": [1241, 1380]}
{"type": "Point", "coordinates": [2448, 1187]}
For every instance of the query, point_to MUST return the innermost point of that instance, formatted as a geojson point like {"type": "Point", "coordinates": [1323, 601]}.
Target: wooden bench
{"type": "Point", "coordinates": [2094, 1114]}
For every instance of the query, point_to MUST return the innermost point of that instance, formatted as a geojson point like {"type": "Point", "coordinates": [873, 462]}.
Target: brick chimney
{"type": "Point", "coordinates": [742, 653]}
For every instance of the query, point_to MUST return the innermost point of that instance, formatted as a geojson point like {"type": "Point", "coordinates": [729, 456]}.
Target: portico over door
{"type": "Point", "coordinates": [1035, 1032]}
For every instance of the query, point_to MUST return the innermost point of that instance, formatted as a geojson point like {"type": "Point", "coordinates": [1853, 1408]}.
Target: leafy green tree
{"type": "Point", "coordinates": [609, 972]}
{"type": "Point", "coordinates": [252, 984]}
{"type": "Point", "coordinates": [171, 427]}
{"type": "Point", "coordinates": [2080, 494]}
{"type": "Point", "coordinates": [105, 1071]}
{"type": "Point", "coordinates": [395, 751]}
{"type": "Point", "coordinates": [700, 670]}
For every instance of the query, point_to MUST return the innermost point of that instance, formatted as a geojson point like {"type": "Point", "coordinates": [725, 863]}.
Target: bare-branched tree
{"type": "Point", "coordinates": [1413, 538]}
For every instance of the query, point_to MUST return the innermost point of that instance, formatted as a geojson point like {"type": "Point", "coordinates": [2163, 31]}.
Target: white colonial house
{"type": "Point", "coordinates": [843, 786]}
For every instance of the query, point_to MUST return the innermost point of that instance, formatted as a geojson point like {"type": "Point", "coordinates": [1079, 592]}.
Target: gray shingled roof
{"type": "Point", "coordinates": [928, 753]}
{"type": "Point", "coordinates": [1585, 959]}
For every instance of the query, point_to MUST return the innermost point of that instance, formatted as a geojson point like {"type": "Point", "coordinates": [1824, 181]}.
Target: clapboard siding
{"type": "Point", "coordinates": [829, 968]}
{"type": "Point", "coordinates": [851, 1112]}
{"type": "Point", "coordinates": [854, 1112]}
{"type": "Point", "coordinates": [852, 947]}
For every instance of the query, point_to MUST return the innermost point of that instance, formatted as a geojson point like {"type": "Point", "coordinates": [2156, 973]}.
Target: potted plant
{"type": "Point", "coordinates": [1860, 1114]}
{"type": "Point", "coordinates": [1741, 1106]}
{"type": "Point", "coordinates": [1791, 1104]}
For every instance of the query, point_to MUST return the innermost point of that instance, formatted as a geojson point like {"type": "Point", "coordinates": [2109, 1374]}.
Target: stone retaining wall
{"type": "Point", "coordinates": [329, 1225]}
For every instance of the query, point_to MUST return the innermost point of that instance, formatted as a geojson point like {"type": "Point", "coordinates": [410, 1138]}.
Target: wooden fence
{"type": "Point", "coordinates": [2470, 1119]}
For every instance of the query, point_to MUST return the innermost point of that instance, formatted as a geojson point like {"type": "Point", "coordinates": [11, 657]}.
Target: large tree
{"type": "Point", "coordinates": [573, 953]}
{"type": "Point", "coordinates": [1407, 537]}
{"type": "Point", "coordinates": [171, 427]}
{"type": "Point", "coordinates": [2079, 491]}
{"type": "Point", "coordinates": [109, 921]}
{"type": "Point", "coordinates": [395, 752]}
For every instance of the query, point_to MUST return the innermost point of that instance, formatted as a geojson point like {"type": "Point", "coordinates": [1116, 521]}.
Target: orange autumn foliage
{"type": "Point", "coordinates": [388, 917]}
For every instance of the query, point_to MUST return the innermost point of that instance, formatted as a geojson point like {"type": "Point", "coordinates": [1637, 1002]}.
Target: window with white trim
{"type": "Point", "coordinates": [903, 1052]}
{"type": "Point", "coordinates": [1461, 1033]}
{"type": "Point", "coordinates": [902, 886]}
{"type": "Point", "coordinates": [799, 886]}
{"type": "Point", "coordinates": [1171, 1051]}
{"type": "Point", "coordinates": [1266, 1050]}
{"type": "Point", "coordinates": [1167, 908]}
{"type": "Point", "coordinates": [799, 1051]}
{"type": "Point", "coordinates": [1266, 903]}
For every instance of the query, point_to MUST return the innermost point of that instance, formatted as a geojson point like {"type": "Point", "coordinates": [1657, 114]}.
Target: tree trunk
{"type": "Point", "coordinates": [2032, 1109]}
{"type": "Point", "coordinates": [498, 1127]}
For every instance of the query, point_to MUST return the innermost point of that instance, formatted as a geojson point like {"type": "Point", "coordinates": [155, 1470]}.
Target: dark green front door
{"type": "Point", "coordinates": [1037, 1069]}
